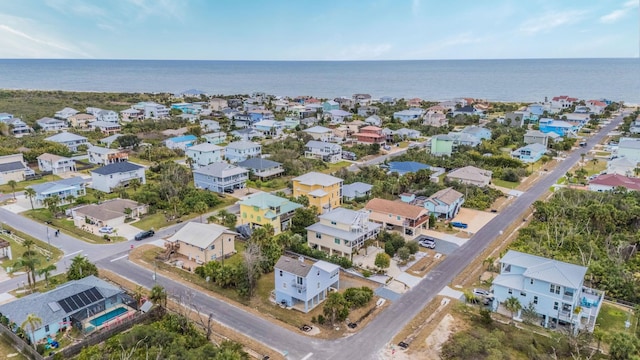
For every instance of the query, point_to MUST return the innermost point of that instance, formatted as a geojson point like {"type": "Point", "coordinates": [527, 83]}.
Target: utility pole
{"type": "Point", "coordinates": [48, 238]}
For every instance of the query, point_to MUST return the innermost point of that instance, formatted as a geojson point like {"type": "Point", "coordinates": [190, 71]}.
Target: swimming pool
{"type": "Point", "coordinates": [108, 316]}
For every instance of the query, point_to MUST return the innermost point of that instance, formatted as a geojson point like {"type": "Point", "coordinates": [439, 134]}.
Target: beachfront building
{"type": "Point", "coordinates": [48, 124]}
{"type": "Point", "coordinates": [204, 154]}
{"type": "Point", "coordinates": [220, 177]}
{"type": "Point", "coordinates": [262, 208]}
{"type": "Point", "coordinates": [55, 164]}
{"type": "Point", "coordinates": [323, 191]}
{"type": "Point", "coordinates": [109, 177]}
{"type": "Point", "coordinates": [65, 113]}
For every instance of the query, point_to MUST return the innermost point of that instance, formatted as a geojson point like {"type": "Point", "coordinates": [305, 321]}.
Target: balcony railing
{"type": "Point", "coordinates": [301, 287]}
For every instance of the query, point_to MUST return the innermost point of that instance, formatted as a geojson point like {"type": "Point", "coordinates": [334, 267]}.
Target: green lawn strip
{"type": "Point", "coordinates": [158, 220]}
{"type": "Point", "coordinates": [41, 285]}
{"type": "Point", "coordinates": [505, 184]}
{"type": "Point", "coordinates": [611, 319]}
{"type": "Point", "coordinates": [18, 249]}
{"type": "Point", "coordinates": [23, 184]}
{"type": "Point", "coordinates": [67, 226]}
{"type": "Point", "coordinates": [335, 167]}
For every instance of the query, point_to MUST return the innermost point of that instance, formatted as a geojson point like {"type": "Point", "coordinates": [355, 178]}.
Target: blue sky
{"type": "Point", "coordinates": [318, 29]}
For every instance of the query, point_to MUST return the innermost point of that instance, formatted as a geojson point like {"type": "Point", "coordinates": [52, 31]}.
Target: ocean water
{"type": "Point", "coordinates": [497, 80]}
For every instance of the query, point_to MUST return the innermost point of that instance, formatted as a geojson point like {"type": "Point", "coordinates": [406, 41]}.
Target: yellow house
{"type": "Point", "coordinates": [324, 191]}
{"type": "Point", "coordinates": [204, 242]}
{"type": "Point", "coordinates": [263, 208]}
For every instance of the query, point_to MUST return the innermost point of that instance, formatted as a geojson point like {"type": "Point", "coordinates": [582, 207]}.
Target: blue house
{"type": "Point", "coordinates": [260, 115]}
{"type": "Point", "coordinates": [477, 131]}
{"type": "Point", "coordinates": [330, 105]}
{"type": "Point", "coordinates": [64, 189]}
{"type": "Point", "coordinates": [408, 115]}
{"type": "Point", "coordinates": [554, 288]}
{"type": "Point", "coordinates": [445, 203]}
{"type": "Point", "coordinates": [180, 142]}
{"type": "Point", "coordinates": [559, 127]}
{"type": "Point", "coordinates": [188, 108]}
{"type": "Point", "coordinates": [536, 109]}
{"type": "Point", "coordinates": [530, 153]}
{"type": "Point", "coordinates": [77, 303]}
{"type": "Point", "coordinates": [303, 285]}
{"type": "Point", "coordinates": [405, 167]}
{"type": "Point", "coordinates": [356, 190]}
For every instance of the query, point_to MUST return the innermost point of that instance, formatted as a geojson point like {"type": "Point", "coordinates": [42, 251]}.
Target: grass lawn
{"type": "Point", "coordinates": [335, 167]}
{"type": "Point", "coordinates": [593, 169]}
{"type": "Point", "coordinates": [403, 144]}
{"type": "Point", "coordinates": [139, 160]}
{"type": "Point", "coordinates": [269, 185]}
{"type": "Point", "coordinates": [23, 184]}
{"type": "Point", "coordinates": [612, 318]}
{"type": "Point", "coordinates": [158, 220]}
{"type": "Point", "coordinates": [603, 153]}
{"type": "Point", "coordinates": [17, 249]}
{"type": "Point", "coordinates": [41, 285]}
{"type": "Point", "coordinates": [66, 225]}
{"type": "Point", "coordinates": [7, 349]}
{"type": "Point", "coordinates": [505, 184]}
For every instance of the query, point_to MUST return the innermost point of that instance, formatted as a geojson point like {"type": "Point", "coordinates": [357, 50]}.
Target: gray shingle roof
{"type": "Point", "coordinates": [116, 168]}
{"type": "Point", "coordinates": [12, 166]}
{"type": "Point", "coordinates": [258, 164]}
{"type": "Point", "coordinates": [353, 190]}
{"type": "Point", "coordinates": [293, 266]}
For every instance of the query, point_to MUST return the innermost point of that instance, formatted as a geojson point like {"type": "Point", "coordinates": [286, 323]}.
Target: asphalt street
{"type": "Point", "coordinates": [367, 343]}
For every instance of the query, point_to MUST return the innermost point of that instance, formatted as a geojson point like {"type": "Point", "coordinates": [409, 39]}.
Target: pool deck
{"type": "Point", "coordinates": [86, 324]}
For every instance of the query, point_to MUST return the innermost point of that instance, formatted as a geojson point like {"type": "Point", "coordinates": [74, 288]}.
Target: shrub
{"type": "Point", "coordinates": [366, 273]}
{"type": "Point", "coordinates": [358, 297]}
{"type": "Point", "coordinates": [412, 246]}
{"type": "Point", "coordinates": [321, 319]}
{"type": "Point", "coordinates": [404, 253]}
{"type": "Point", "coordinates": [313, 320]}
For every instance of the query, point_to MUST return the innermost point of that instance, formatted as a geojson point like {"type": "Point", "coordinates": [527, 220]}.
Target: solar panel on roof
{"type": "Point", "coordinates": [85, 299]}
{"type": "Point", "coordinates": [64, 305]}
{"type": "Point", "coordinates": [80, 300]}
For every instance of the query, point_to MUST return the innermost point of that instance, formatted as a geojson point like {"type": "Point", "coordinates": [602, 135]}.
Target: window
{"type": "Point", "coordinates": [46, 327]}
{"type": "Point", "coordinates": [213, 247]}
{"type": "Point", "coordinates": [554, 289]}
{"type": "Point", "coordinates": [299, 280]}
{"type": "Point", "coordinates": [318, 273]}
{"type": "Point", "coordinates": [334, 223]}
{"type": "Point", "coordinates": [522, 293]}
{"type": "Point", "coordinates": [510, 291]}
{"type": "Point", "coordinates": [336, 241]}
{"type": "Point", "coordinates": [398, 217]}
{"type": "Point", "coordinates": [535, 299]}
{"type": "Point", "coordinates": [531, 281]}
{"type": "Point", "coordinates": [555, 305]}
{"type": "Point", "coordinates": [244, 215]}
{"type": "Point", "coordinates": [318, 236]}
{"type": "Point", "coordinates": [258, 218]}
{"type": "Point", "coordinates": [280, 272]}
{"type": "Point", "coordinates": [318, 285]}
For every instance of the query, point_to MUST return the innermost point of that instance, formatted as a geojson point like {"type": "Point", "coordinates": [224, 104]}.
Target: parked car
{"type": "Point", "coordinates": [459, 224]}
{"type": "Point", "coordinates": [481, 292]}
{"type": "Point", "coordinates": [428, 243]}
{"type": "Point", "coordinates": [228, 191]}
{"type": "Point", "coordinates": [144, 235]}
{"type": "Point", "coordinates": [105, 230]}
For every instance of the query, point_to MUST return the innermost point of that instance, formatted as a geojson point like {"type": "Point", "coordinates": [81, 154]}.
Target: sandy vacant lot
{"type": "Point", "coordinates": [476, 219]}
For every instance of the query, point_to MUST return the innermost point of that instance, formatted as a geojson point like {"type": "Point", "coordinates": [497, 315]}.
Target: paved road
{"type": "Point", "coordinates": [367, 343]}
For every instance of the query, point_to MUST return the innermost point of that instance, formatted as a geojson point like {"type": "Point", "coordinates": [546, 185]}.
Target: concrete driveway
{"type": "Point", "coordinates": [127, 231]}
{"type": "Point", "coordinates": [442, 246]}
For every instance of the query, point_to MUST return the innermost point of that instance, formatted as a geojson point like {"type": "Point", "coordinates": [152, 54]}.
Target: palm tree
{"type": "Point", "coordinates": [200, 207]}
{"type": "Point", "coordinates": [594, 162]}
{"type": "Point", "coordinates": [135, 184]}
{"type": "Point", "coordinates": [33, 323]}
{"type": "Point", "coordinates": [46, 272]}
{"type": "Point", "coordinates": [52, 203]}
{"type": "Point", "coordinates": [99, 196]}
{"type": "Point", "coordinates": [70, 199]}
{"type": "Point", "coordinates": [174, 202]}
{"type": "Point", "coordinates": [12, 184]}
{"type": "Point", "coordinates": [138, 294]}
{"type": "Point", "coordinates": [28, 263]}
{"type": "Point", "coordinates": [30, 194]}
{"type": "Point", "coordinates": [158, 295]}
{"type": "Point", "coordinates": [513, 305]}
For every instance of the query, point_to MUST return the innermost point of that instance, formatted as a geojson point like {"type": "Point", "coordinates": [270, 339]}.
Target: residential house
{"type": "Point", "coordinates": [611, 182]}
{"type": "Point", "coordinates": [242, 150]}
{"type": "Point", "coordinates": [323, 191]}
{"type": "Point", "coordinates": [621, 166]}
{"type": "Point", "coordinates": [208, 126]}
{"type": "Point", "coordinates": [70, 140]}
{"type": "Point", "coordinates": [281, 105]}
{"type": "Point", "coordinates": [596, 106]}
{"type": "Point", "coordinates": [72, 304]}
{"type": "Point", "coordinates": [361, 99]}
{"type": "Point", "coordinates": [529, 153]}
{"type": "Point", "coordinates": [471, 175]}
{"type": "Point", "coordinates": [129, 115]}
{"type": "Point", "coordinates": [553, 288]}
{"type": "Point", "coordinates": [48, 124]}
{"type": "Point", "coordinates": [406, 218]}
{"type": "Point", "coordinates": [215, 138]}
{"type": "Point", "coordinates": [105, 127]}
{"type": "Point", "coordinates": [467, 110]}
{"type": "Point", "coordinates": [356, 190]}
{"type": "Point", "coordinates": [262, 168]}
{"type": "Point", "coordinates": [330, 105]}
{"type": "Point", "coordinates": [262, 208]}
{"type": "Point", "coordinates": [338, 116]}
{"type": "Point", "coordinates": [406, 134]}
{"type": "Point", "coordinates": [110, 176]}
{"type": "Point", "coordinates": [258, 115]}
{"type": "Point", "coordinates": [320, 133]}
{"type": "Point", "coordinates": [191, 118]}
{"type": "Point", "coordinates": [562, 102]}
{"type": "Point", "coordinates": [64, 189]}
{"type": "Point", "coordinates": [5, 116]}
{"type": "Point", "coordinates": [408, 115]}
{"type": "Point", "coordinates": [217, 104]}
{"type": "Point", "coordinates": [104, 156]}
{"type": "Point", "coordinates": [365, 111]}
{"type": "Point", "coordinates": [629, 148]}
{"type": "Point", "coordinates": [370, 135]}
{"type": "Point", "coordinates": [448, 105]}
{"type": "Point", "coordinates": [247, 134]}
{"type": "Point", "coordinates": [187, 108]}
{"type": "Point", "coordinates": [309, 121]}
{"type": "Point", "coordinates": [342, 232]}
{"type": "Point", "coordinates": [151, 110]}
{"type": "Point", "coordinates": [204, 242]}
{"type": "Point", "coordinates": [536, 137]}
{"type": "Point", "coordinates": [220, 177]}
{"type": "Point", "coordinates": [291, 123]}
{"type": "Point", "coordinates": [325, 151]}
{"type": "Point", "coordinates": [269, 127]}
{"type": "Point", "coordinates": [181, 142]}
{"type": "Point", "coordinates": [387, 100]}
{"type": "Point", "coordinates": [373, 120]}
{"type": "Point", "coordinates": [55, 164]}
{"type": "Point", "coordinates": [204, 154]}
{"type": "Point", "coordinates": [406, 167]}
{"type": "Point", "coordinates": [414, 103]}
{"type": "Point", "coordinates": [477, 131]}
{"type": "Point", "coordinates": [435, 119]}
{"type": "Point", "coordinates": [304, 285]}
{"type": "Point", "coordinates": [577, 119]}
{"type": "Point", "coordinates": [114, 213]}
{"type": "Point", "coordinates": [345, 103]}
{"type": "Point", "coordinates": [81, 121]}
{"type": "Point", "coordinates": [442, 145]}
{"type": "Point", "coordinates": [109, 140]}
{"type": "Point", "coordinates": [65, 113]}
{"type": "Point", "coordinates": [634, 128]}
{"type": "Point", "coordinates": [13, 167]}
{"type": "Point", "coordinates": [103, 115]}
{"type": "Point", "coordinates": [17, 127]}
{"type": "Point", "coordinates": [445, 203]}
{"type": "Point", "coordinates": [464, 139]}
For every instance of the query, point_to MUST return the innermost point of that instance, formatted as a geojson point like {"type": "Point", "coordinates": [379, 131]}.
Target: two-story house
{"type": "Point", "coordinates": [70, 140]}
{"type": "Point", "coordinates": [479, 132]}
{"type": "Point", "coordinates": [262, 168]}
{"type": "Point", "coordinates": [342, 232]}
{"type": "Point", "coordinates": [108, 177]}
{"type": "Point", "coordinates": [370, 135]}
{"type": "Point", "coordinates": [104, 156]}
{"type": "Point", "coordinates": [559, 127]}
{"type": "Point", "coordinates": [396, 215]}
{"type": "Point", "coordinates": [215, 138]}
{"type": "Point", "coordinates": [81, 121]}
{"type": "Point", "coordinates": [554, 288]}
{"type": "Point", "coordinates": [323, 191]}
{"type": "Point", "coordinates": [13, 167]}
{"type": "Point", "coordinates": [152, 110]}
{"type": "Point", "coordinates": [65, 113]}
{"type": "Point", "coordinates": [408, 115]}
{"type": "Point", "coordinates": [629, 148]}
{"type": "Point", "coordinates": [18, 127]}
{"type": "Point", "coordinates": [65, 190]}
{"type": "Point", "coordinates": [303, 285]}
{"type": "Point", "coordinates": [220, 177]}
{"type": "Point", "coordinates": [319, 133]}
{"type": "Point", "coordinates": [103, 115]}
{"type": "Point", "coordinates": [337, 116]}
{"type": "Point", "coordinates": [208, 126]}
{"type": "Point", "coordinates": [442, 145]}
{"type": "Point", "coordinates": [325, 151]}
{"type": "Point", "coordinates": [445, 203]}
{"type": "Point", "coordinates": [536, 137]}
{"type": "Point", "coordinates": [262, 208]}
{"type": "Point", "coordinates": [204, 242]}
{"type": "Point", "coordinates": [529, 153]}
{"type": "Point", "coordinates": [269, 127]}
{"type": "Point", "coordinates": [105, 127]}
{"type": "Point", "coordinates": [204, 154]}
{"type": "Point", "coordinates": [242, 150]}
{"type": "Point", "coordinates": [48, 124]}
{"type": "Point", "coordinates": [55, 164]}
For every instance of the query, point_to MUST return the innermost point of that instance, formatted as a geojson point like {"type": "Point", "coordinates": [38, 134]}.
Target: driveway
{"type": "Point", "coordinates": [475, 219]}
{"type": "Point", "coordinates": [127, 231]}
{"type": "Point", "coordinates": [442, 246]}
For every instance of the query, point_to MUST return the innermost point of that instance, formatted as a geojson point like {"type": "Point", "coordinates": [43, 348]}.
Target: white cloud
{"type": "Point", "coordinates": [618, 14]}
{"type": "Point", "coordinates": [550, 21]}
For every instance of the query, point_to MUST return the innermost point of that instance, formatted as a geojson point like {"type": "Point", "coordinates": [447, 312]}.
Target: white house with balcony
{"type": "Point", "coordinates": [55, 164]}
{"type": "Point", "coordinates": [70, 140]}
{"type": "Point", "coordinates": [152, 110]}
{"type": "Point", "coordinates": [220, 177]}
{"type": "Point", "coordinates": [49, 124]}
{"type": "Point", "coordinates": [104, 156]}
{"type": "Point", "coordinates": [302, 284]}
{"type": "Point", "coordinates": [103, 115]}
{"type": "Point", "coordinates": [204, 154]}
{"type": "Point", "coordinates": [554, 288]}
{"type": "Point", "coordinates": [108, 177]}
{"type": "Point", "coordinates": [238, 151]}
{"type": "Point", "coordinates": [327, 152]}
{"type": "Point", "coordinates": [65, 113]}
